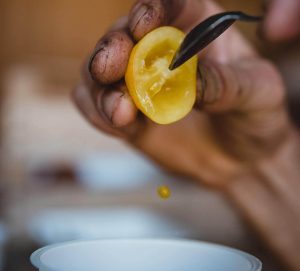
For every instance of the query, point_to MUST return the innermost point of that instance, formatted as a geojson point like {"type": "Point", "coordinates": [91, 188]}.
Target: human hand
{"type": "Point", "coordinates": [239, 116]}
{"type": "Point", "coordinates": [282, 20]}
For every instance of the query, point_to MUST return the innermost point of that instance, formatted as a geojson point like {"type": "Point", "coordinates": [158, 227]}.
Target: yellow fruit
{"type": "Point", "coordinates": [163, 95]}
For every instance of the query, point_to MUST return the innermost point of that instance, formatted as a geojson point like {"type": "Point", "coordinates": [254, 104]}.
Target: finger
{"type": "Point", "coordinates": [112, 103]}
{"type": "Point", "coordinates": [110, 57]}
{"type": "Point", "coordinates": [245, 101]}
{"type": "Point", "coordinates": [244, 86]}
{"type": "Point", "coordinates": [82, 98]}
{"type": "Point", "coordinates": [123, 122]}
{"type": "Point", "coordinates": [282, 20]}
{"type": "Point", "coordinates": [118, 106]}
{"type": "Point", "coordinates": [120, 111]}
{"type": "Point", "coordinates": [107, 65]}
{"type": "Point", "coordinates": [108, 108]}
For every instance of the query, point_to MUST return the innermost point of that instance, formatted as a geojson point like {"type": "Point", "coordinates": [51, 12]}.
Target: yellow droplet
{"type": "Point", "coordinates": [164, 191]}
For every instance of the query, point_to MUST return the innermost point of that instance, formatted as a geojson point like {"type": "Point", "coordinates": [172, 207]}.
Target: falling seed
{"type": "Point", "coordinates": [164, 191]}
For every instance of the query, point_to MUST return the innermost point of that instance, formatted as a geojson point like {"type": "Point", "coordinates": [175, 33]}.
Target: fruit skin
{"type": "Point", "coordinates": [163, 95]}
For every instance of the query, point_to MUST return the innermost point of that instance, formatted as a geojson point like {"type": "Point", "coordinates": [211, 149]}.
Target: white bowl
{"type": "Point", "coordinates": [142, 255]}
{"type": "Point", "coordinates": [3, 238]}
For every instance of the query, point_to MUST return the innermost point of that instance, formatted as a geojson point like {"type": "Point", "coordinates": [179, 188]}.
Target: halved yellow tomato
{"type": "Point", "coordinates": [163, 95]}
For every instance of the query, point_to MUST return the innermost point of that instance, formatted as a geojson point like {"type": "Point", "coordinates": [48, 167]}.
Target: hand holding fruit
{"type": "Point", "coordinates": [239, 115]}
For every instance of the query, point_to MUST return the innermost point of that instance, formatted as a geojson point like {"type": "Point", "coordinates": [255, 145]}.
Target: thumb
{"type": "Point", "coordinates": [245, 101]}
{"type": "Point", "coordinates": [245, 85]}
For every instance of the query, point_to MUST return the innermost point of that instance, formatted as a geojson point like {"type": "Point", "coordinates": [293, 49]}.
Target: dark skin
{"type": "Point", "coordinates": [229, 130]}
{"type": "Point", "coordinates": [282, 20]}
{"type": "Point", "coordinates": [238, 138]}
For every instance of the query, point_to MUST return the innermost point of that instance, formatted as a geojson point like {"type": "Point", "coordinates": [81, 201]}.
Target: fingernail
{"type": "Point", "coordinates": [109, 103]}
{"type": "Point", "coordinates": [137, 15]}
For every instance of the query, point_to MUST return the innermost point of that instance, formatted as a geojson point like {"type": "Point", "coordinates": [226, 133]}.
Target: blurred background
{"type": "Point", "coordinates": [61, 179]}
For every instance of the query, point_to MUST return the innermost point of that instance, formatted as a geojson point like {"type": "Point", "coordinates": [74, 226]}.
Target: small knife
{"type": "Point", "coordinates": [206, 32]}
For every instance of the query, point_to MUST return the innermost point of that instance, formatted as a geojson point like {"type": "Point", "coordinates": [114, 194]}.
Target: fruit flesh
{"type": "Point", "coordinates": [163, 95]}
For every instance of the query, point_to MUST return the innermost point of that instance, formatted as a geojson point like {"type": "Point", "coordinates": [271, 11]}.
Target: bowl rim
{"type": "Point", "coordinates": [256, 264]}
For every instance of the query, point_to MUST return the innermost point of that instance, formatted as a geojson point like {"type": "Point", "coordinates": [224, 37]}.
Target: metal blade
{"type": "Point", "coordinates": [206, 32]}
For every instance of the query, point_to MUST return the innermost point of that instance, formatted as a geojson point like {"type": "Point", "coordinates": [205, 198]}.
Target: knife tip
{"type": "Point", "coordinates": [174, 64]}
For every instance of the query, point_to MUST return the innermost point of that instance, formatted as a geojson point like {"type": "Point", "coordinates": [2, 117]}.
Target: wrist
{"type": "Point", "coordinates": [268, 198]}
